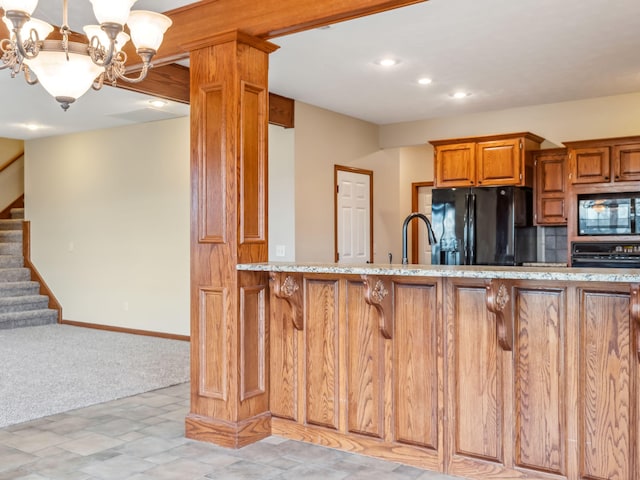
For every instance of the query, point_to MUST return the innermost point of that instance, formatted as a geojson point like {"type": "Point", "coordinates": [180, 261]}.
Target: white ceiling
{"type": "Point", "coordinates": [505, 53]}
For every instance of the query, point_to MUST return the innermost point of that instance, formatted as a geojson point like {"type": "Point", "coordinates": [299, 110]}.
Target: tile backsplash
{"type": "Point", "coordinates": [555, 244]}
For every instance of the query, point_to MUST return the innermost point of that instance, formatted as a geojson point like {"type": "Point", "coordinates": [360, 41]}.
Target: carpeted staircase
{"type": "Point", "coordinates": [21, 305]}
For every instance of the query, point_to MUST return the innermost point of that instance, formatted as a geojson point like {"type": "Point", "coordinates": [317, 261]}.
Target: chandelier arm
{"type": "Point", "coordinates": [9, 58]}
{"type": "Point", "coordinates": [96, 52]}
{"type": "Point", "coordinates": [98, 82]}
{"type": "Point", "coordinates": [32, 44]}
{"type": "Point", "coordinates": [139, 78]}
{"type": "Point", "coordinates": [146, 54]}
{"type": "Point", "coordinates": [31, 80]}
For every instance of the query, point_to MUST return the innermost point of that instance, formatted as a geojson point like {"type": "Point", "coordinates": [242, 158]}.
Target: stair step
{"type": "Point", "coordinates": [17, 213]}
{"type": "Point", "coordinates": [10, 248]}
{"type": "Point", "coordinates": [14, 275]}
{"type": "Point", "coordinates": [10, 236]}
{"type": "Point", "coordinates": [23, 303]}
{"type": "Point", "coordinates": [14, 289]}
{"type": "Point", "coordinates": [11, 261]}
{"type": "Point", "coordinates": [10, 224]}
{"type": "Point", "coordinates": [30, 318]}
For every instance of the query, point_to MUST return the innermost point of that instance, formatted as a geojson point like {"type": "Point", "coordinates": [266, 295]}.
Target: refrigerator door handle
{"type": "Point", "coordinates": [465, 229]}
{"type": "Point", "coordinates": [471, 226]}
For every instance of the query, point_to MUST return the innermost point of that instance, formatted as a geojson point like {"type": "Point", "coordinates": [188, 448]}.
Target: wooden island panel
{"type": "Point", "coordinates": [509, 397]}
{"type": "Point", "coordinates": [540, 380]}
{"type": "Point", "coordinates": [441, 373]}
{"type": "Point", "coordinates": [475, 374]}
{"type": "Point", "coordinates": [321, 348]}
{"type": "Point", "coordinates": [416, 380]}
{"type": "Point", "coordinates": [365, 365]}
{"type": "Point", "coordinates": [608, 408]}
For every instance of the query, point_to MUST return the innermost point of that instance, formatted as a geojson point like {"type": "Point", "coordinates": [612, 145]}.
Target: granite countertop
{"type": "Point", "coordinates": [561, 273]}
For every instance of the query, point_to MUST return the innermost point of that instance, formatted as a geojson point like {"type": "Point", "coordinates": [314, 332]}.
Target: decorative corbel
{"type": "Point", "coordinates": [634, 312]}
{"type": "Point", "coordinates": [499, 293]}
{"type": "Point", "coordinates": [286, 286]}
{"type": "Point", "coordinates": [377, 293]}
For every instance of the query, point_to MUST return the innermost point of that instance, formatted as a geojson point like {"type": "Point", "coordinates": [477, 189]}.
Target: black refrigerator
{"type": "Point", "coordinates": [483, 226]}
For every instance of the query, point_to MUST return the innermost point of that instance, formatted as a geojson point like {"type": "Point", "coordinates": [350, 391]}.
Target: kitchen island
{"type": "Point", "coordinates": [482, 372]}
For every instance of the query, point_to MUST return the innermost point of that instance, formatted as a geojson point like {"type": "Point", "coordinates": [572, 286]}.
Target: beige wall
{"type": "Point", "coordinates": [11, 178]}
{"type": "Point", "coordinates": [282, 194]}
{"type": "Point", "coordinates": [109, 213]}
{"type": "Point", "coordinates": [603, 117]}
{"type": "Point", "coordinates": [324, 139]}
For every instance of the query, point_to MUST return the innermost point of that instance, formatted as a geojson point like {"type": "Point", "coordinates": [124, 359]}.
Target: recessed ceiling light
{"type": "Point", "coordinates": [460, 94]}
{"type": "Point", "coordinates": [424, 81]}
{"type": "Point", "coordinates": [158, 103]}
{"type": "Point", "coordinates": [388, 62]}
{"type": "Point", "coordinates": [32, 126]}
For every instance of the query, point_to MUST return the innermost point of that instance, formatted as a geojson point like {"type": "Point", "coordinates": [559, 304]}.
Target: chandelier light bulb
{"type": "Point", "coordinates": [147, 29]}
{"type": "Point", "coordinates": [65, 80]}
{"type": "Point", "coordinates": [112, 11]}
{"type": "Point", "coordinates": [26, 6]}
{"type": "Point", "coordinates": [43, 28]}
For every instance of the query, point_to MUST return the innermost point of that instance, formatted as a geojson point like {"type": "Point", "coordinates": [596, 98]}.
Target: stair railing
{"type": "Point", "coordinates": [10, 162]}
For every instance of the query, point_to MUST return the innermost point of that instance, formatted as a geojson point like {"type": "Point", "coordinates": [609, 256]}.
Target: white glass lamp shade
{"type": "Point", "coordinates": [64, 78]}
{"type": "Point", "coordinates": [147, 28]}
{"type": "Point", "coordinates": [26, 6]}
{"type": "Point", "coordinates": [95, 31]}
{"type": "Point", "coordinates": [43, 28]}
{"type": "Point", "coordinates": [112, 11]}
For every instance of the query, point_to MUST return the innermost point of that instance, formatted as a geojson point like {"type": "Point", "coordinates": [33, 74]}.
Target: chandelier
{"type": "Point", "coordinates": [67, 69]}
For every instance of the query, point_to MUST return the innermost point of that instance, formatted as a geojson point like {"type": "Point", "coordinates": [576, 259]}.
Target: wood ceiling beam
{"type": "Point", "coordinates": [265, 19]}
{"type": "Point", "coordinates": [166, 81]}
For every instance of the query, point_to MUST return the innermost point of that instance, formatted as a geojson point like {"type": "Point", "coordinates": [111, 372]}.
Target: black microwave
{"type": "Point", "coordinates": [609, 214]}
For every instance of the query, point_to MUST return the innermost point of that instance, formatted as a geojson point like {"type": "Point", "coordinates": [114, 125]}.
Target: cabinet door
{"type": "Point", "coordinates": [626, 162]}
{"type": "Point", "coordinates": [499, 162]}
{"type": "Point", "coordinates": [608, 390]}
{"type": "Point", "coordinates": [455, 165]}
{"type": "Point", "coordinates": [550, 184]}
{"type": "Point", "coordinates": [590, 165]}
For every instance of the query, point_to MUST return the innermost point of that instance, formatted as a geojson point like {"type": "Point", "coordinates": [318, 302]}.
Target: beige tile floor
{"type": "Point", "coordinates": [142, 438]}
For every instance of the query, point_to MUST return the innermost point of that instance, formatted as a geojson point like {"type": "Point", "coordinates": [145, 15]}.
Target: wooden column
{"type": "Point", "coordinates": [229, 113]}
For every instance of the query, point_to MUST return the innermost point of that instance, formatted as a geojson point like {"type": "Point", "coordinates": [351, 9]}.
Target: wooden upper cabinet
{"type": "Point", "coordinates": [485, 161]}
{"type": "Point", "coordinates": [605, 161]}
{"type": "Point", "coordinates": [498, 162]}
{"type": "Point", "coordinates": [455, 165]}
{"type": "Point", "coordinates": [626, 162]}
{"type": "Point", "coordinates": [550, 186]}
{"type": "Point", "coordinates": [590, 165]}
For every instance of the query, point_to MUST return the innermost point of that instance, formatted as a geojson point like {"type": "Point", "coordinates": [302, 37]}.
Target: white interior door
{"type": "Point", "coordinates": [424, 206]}
{"type": "Point", "coordinates": [353, 209]}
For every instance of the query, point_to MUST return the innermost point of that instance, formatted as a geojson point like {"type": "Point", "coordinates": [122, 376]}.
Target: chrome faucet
{"type": "Point", "coordinates": [430, 234]}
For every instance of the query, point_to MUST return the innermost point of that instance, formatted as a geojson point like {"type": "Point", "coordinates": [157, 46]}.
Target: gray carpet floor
{"type": "Point", "coordinates": [56, 368]}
